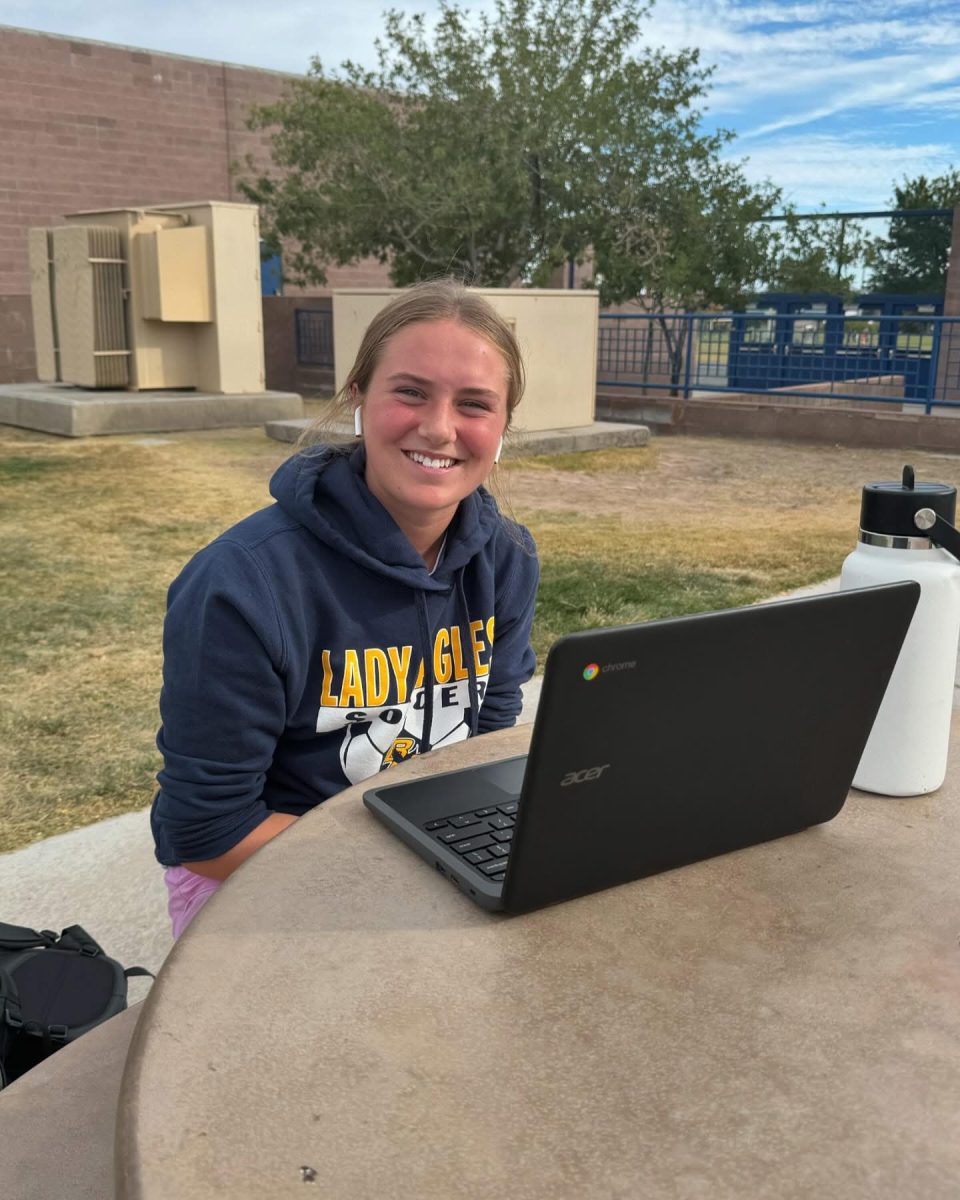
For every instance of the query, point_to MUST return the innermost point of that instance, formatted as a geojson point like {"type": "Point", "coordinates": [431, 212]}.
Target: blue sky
{"type": "Point", "coordinates": [833, 101]}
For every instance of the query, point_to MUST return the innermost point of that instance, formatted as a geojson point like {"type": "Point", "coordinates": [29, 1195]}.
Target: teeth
{"type": "Point", "coordinates": [430, 462]}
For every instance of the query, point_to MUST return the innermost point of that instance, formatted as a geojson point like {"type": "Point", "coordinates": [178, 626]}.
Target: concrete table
{"type": "Point", "coordinates": [780, 1022]}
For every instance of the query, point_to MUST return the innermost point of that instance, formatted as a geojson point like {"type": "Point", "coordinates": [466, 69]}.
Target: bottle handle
{"type": "Point", "coordinates": [939, 531]}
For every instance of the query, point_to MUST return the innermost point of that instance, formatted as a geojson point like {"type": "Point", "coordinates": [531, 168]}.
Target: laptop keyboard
{"type": "Point", "coordinates": [482, 837]}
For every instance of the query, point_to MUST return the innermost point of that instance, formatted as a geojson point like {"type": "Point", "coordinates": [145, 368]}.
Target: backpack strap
{"type": "Point", "coordinates": [10, 1012]}
{"type": "Point", "coordinates": [130, 972]}
{"type": "Point", "coordinates": [19, 937]}
{"type": "Point", "coordinates": [75, 937]}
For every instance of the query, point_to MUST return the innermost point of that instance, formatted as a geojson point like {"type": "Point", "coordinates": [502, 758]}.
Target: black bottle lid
{"type": "Point", "coordinates": [889, 507]}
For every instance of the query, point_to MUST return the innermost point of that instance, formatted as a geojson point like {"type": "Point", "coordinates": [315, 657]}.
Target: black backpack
{"type": "Point", "coordinates": [52, 990]}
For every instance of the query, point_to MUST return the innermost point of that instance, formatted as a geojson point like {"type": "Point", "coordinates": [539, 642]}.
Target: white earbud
{"type": "Point", "coordinates": [357, 422]}
{"type": "Point", "coordinates": [496, 457]}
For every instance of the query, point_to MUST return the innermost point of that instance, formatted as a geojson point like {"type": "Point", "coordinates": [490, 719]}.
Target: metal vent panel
{"type": "Point", "coordinates": [89, 305]}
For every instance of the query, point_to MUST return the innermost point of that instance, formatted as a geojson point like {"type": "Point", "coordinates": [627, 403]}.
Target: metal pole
{"type": "Point", "coordinates": [688, 321]}
{"type": "Point", "coordinates": [934, 363]}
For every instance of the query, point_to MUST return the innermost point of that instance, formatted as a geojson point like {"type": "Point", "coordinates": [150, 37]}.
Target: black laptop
{"type": "Point", "coordinates": [661, 744]}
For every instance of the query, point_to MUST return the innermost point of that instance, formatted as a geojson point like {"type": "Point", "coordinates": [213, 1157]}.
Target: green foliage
{"type": "Point", "coordinates": [687, 235]}
{"type": "Point", "coordinates": [818, 256]}
{"type": "Point", "coordinates": [499, 147]}
{"type": "Point", "coordinates": [913, 257]}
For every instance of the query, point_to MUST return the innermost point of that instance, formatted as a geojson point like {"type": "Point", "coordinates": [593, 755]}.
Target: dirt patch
{"type": "Point", "coordinates": [713, 476]}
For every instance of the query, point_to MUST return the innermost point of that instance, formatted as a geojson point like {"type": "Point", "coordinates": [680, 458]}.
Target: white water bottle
{"type": "Point", "coordinates": [906, 532]}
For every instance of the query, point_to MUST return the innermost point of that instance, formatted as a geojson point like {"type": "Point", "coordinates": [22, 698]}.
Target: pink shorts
{"type": "Point", "coordinates": [187, 893]}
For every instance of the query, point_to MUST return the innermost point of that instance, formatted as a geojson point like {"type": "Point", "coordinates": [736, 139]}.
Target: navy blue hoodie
{"type": "Point", "coordinates": [308, 648]}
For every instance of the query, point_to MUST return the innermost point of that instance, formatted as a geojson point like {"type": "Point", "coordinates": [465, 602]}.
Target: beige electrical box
{"type": "Point", "coordinates": [144, 298]}
{"type": "Point", "coordinates": [77, 292]}
{"type": "Point", "coordinates": [557, 332]}
{"type": "Point", "coordinates": [40, 249]}
{"type": "Point", "coordinates": [174, 274]}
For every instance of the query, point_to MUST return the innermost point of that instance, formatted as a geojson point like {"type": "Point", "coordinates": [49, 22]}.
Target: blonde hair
{"type": "Point", "coordinates": [434, 300]}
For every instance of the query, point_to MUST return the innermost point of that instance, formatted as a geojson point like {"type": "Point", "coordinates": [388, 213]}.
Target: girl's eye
{"type": "Point", "coordinates": [409, 391]}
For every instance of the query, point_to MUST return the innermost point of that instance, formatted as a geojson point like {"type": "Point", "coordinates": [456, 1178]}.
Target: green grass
{"type": "Point", "coordinates": [616, 570]}
{"type": "Point", "coordinates": [15, 468]}
{"type": "Point", "coordinates": [573, 597]}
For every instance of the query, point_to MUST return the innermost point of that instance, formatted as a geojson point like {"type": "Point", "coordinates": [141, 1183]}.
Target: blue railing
{"type": "Point", "coordinates": [906, 359]}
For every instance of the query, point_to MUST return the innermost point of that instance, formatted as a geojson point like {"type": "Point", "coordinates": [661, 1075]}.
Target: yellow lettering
{"type": "Point", "coordinates": [326, 695]}
{"type": "Point", "coordinates": [476, 642]}
{"type": "Point", "coordinates": [400, 662]}
{"type": "Point", "coordinates": [378, 680]}
{"type": "Point", "coordinates": [459, 670]}
{"type": "Point", "coordinates": [490, 624]}
{"type": "Point", "coordinates": [441, 659]}
{"type": "Point", "coordinates": [352, 691]}
{"type": "Point", "coordinates": [418, 682]}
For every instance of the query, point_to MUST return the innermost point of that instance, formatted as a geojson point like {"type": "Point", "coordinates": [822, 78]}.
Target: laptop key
{"type": "Point", "coordinates": [474, 843]}
{"type": "Point", "coordinates": [451, 835]}
{"type": "Point", "coordinates": [510, 808]}
{"type": "Point", "coordinates": [478, 856]}
{"type": "Point", "coordinates": [431, 825]}
{"type": "Point", "coordinates": [465, 819]}
{"type": "Point", "coordinates": [494, 866]}
{"type": "Point", "coordinates": [484, 812]}
{"type": "Point", "coordinates": [499, 851]}
{"type": "Point", "coordinates": [503, 835]}
{"type": "Point", "coordinates": [502, 822]}
{"type": "Point", "coordinates": [498, 878]}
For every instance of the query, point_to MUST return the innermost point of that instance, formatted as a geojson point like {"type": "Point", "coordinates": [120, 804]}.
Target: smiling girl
{"type": "Point", "coordinates": [380, 608]}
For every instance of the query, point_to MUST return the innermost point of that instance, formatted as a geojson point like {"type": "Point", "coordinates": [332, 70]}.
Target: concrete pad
{"type": "Point", "coordinates": [600, 435]}
{"type": "Point", "coordinates": [70, 411]}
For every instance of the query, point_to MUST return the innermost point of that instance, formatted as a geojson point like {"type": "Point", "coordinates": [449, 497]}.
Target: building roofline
{"type": "Point", "coordinates": [212, 62]}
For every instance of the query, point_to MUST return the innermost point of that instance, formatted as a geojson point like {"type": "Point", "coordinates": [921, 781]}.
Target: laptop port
{"type": "Point", "coordinates": [439, 868]}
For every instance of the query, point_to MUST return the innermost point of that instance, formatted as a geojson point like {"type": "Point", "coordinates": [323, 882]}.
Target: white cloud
{"type": "Point", "coordinates": [826, 48]}
{"type": "Point", "coordinates": [845, 173]}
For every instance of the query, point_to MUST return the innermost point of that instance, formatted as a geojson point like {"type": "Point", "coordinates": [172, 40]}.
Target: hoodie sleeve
{"type": "Point", "coordinates": [513, 659]}
{"type": "Point", "coordinates": [223, 704]}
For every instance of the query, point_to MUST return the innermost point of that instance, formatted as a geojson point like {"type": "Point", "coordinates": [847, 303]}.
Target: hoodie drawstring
{"type": "Point", "coordinates": [427, 643]}
{"type": "Point", "coordinates": [473, 700]}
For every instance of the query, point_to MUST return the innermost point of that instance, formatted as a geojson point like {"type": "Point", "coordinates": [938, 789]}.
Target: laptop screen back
{"type": "Point", "coordinates": [661, 744]}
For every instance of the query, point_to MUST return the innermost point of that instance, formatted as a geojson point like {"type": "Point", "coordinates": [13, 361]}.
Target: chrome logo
{"type": "Point", "coordinates": [591, 671]}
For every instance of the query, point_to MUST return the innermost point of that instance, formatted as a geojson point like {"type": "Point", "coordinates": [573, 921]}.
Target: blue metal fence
{"type": "Point", "coordinates": [905, 358]}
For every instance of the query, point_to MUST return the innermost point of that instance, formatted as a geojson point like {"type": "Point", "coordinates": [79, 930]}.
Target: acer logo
{"type": "Point", "coordinates": [585, 776]}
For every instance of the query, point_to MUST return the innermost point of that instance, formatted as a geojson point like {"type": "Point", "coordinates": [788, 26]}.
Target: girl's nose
{"type": "Point", "coordinates": [437, 423]}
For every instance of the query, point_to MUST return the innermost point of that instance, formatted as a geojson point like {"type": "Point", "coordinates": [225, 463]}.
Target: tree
{"type": "Point", "coordinates": [501, 147]}
{"type": "Point", "coordinates": [817, 255]}
{"type": "Point", "coordinates": [691, 242]}
{"type": "Point", "coordinates": [913, 257]}
{"type": "Point", "coordinates": [691, 239]}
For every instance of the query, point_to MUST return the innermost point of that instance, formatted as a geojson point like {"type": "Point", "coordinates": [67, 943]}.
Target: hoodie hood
{"type": "Point", "coordinates": [325, 491]}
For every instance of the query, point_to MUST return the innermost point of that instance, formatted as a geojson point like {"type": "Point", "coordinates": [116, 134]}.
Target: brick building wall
{"type": "Point", "coordinates": [87, 125]}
